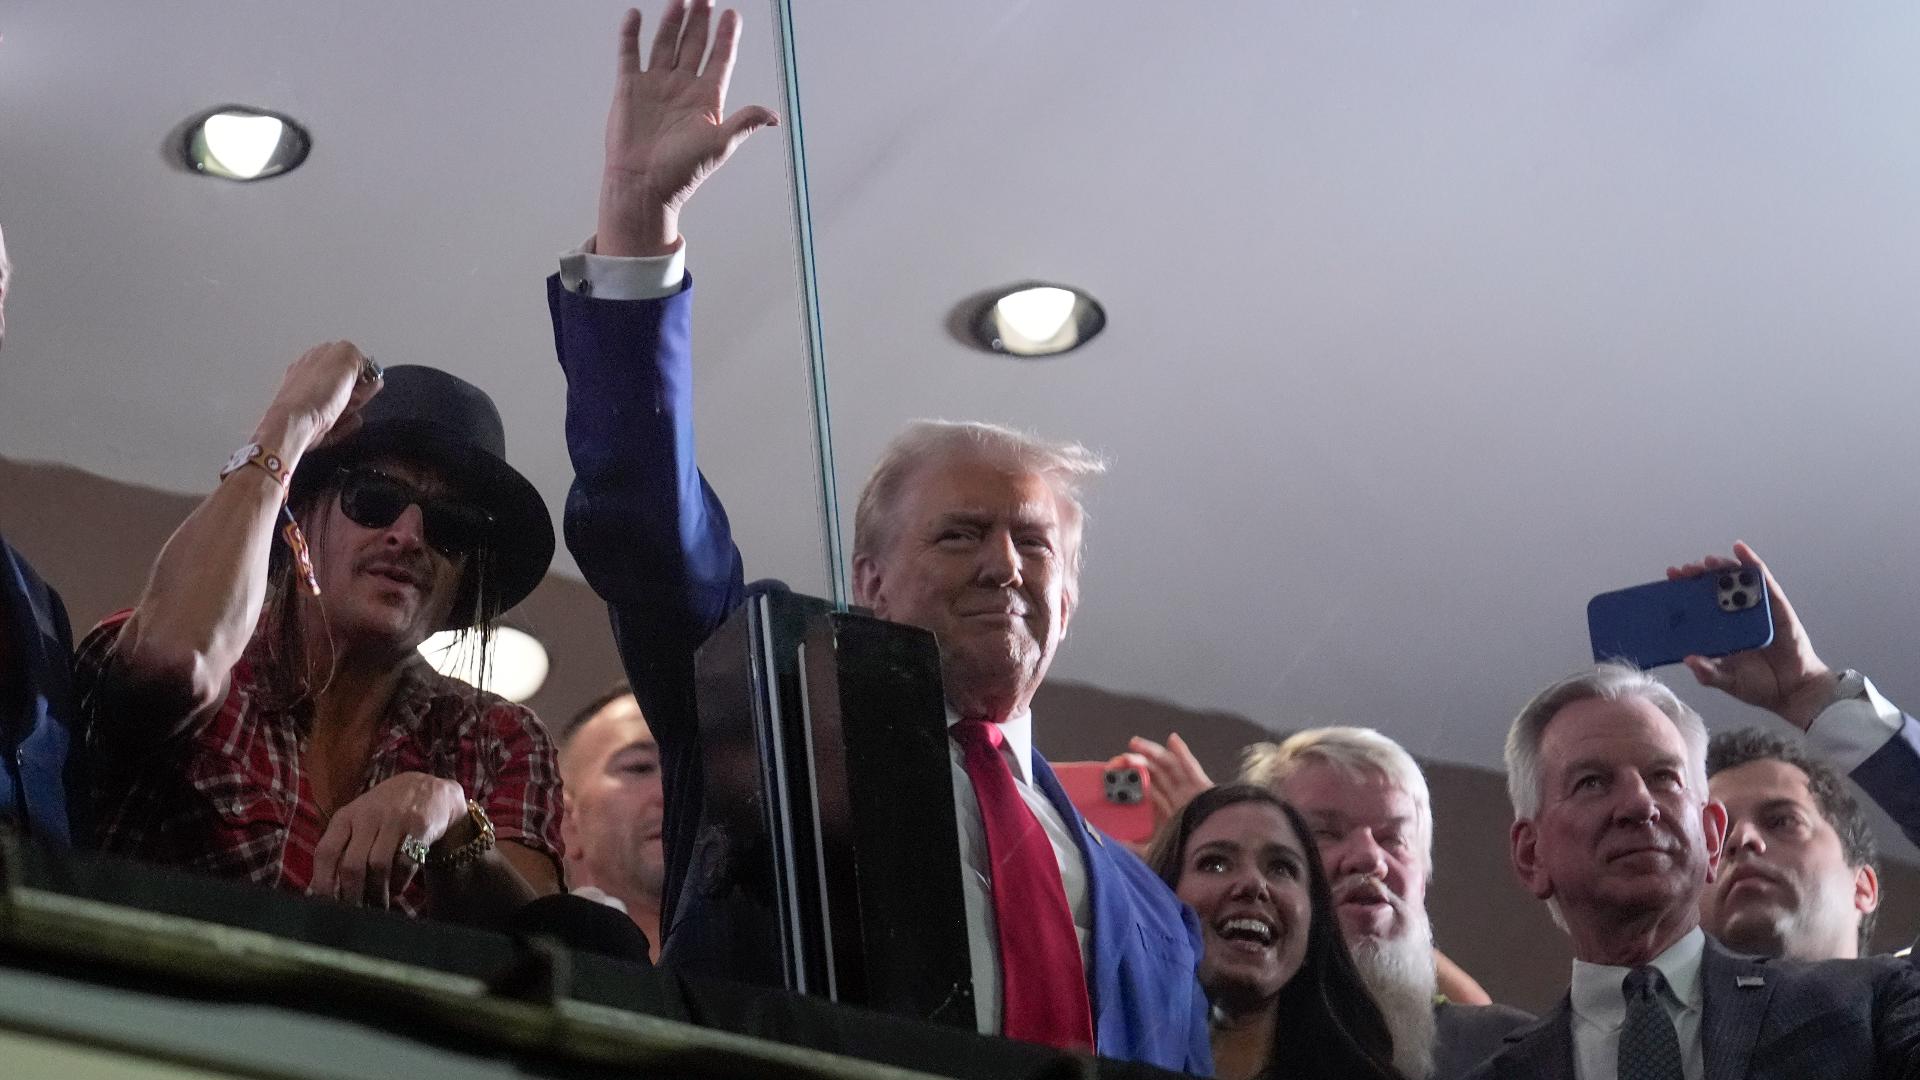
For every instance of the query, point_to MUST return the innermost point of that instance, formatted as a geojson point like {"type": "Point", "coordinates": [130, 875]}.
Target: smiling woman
{"type": "Point", "coordinates": [1283, 986]}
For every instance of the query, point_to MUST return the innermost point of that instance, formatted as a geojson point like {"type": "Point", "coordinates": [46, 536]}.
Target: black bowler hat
{"type": "Point", "coordinates": [427, 415]}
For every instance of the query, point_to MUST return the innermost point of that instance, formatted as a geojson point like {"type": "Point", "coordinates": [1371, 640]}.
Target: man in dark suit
{"type": "Point", "coordinates": [1614, 829]}
{"type": "Point", "coordinates": [968, 530]}
{"type": "Point", "coordinates": [36, 696]}
{"type": "Point", "coordinates": [1799, 877]}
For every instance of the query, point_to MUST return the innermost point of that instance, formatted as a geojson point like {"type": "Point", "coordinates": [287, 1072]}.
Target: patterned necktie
{"type": "Point", "coordinates": [1649, 1050]}
{"type": "Point", "coordinates": [1043, 984]}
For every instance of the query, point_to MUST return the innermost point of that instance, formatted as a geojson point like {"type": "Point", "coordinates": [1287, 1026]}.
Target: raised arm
{"type": "Point", "coordinates": [203, 596]}
{"type": "Point", "coordinates": [1847, 722]}
{"type": "Point", "coordinates": [650, 536]}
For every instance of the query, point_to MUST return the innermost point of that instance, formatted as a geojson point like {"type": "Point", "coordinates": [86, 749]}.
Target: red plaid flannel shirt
{"type": "Point", "coordinates": [232, 798]}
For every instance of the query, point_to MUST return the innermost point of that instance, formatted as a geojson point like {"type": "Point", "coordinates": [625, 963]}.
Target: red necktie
{"type": "Point", "coordinates": [1043, 984]}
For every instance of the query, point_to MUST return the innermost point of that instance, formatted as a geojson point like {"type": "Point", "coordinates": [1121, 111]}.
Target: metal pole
{"type": "Point", "coordinates": [810, 308]}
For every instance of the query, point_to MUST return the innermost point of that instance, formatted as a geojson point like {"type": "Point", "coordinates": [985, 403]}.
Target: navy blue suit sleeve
{"type": "Point", "coordinates": [1891, 777]}
{"type": "Point", "coordinates": [648, 532]}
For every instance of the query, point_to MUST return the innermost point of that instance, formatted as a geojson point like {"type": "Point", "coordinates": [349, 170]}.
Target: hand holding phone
{"type": "Point", "coordinates": [1787, 676]}
{"type": "Point", "coordinates": [1717, 613]}
{"type": "Point", "coordinates": [1116, 798]}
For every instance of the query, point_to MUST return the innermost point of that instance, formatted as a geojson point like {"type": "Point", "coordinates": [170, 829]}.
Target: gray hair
{"type": "Point", "coordinates": [876, 521]}
{"type": "Point", "coordinates": [1604, 682]}
{"type": "Point", "coordinates": [1358, 753]}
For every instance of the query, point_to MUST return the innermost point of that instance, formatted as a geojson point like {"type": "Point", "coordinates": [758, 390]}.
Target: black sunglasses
{"type": "Point", "coordinates": [375, 500]}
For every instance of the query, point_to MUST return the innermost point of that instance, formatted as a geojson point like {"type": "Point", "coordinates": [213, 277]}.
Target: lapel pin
{"type": "Point", "coordinates": [1749, 980]}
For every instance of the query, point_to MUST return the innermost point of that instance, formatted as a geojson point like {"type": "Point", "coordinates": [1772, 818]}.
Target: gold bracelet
{"type": "Point", "coordinates": [470, 851]}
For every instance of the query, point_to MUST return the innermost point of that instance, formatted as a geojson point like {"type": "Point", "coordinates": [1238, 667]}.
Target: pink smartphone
{"type": "Point", "coordinates": [1113, 797]}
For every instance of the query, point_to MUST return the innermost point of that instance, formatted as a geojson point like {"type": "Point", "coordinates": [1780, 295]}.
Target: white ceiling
{"type": "Point", "coordinates": [1427, 322]}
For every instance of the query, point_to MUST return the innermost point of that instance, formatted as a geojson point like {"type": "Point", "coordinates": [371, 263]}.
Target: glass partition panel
{"type": "Point", "coordinates": [1425, 323]}
{"type": "Point", "coordinates": [456, 153]}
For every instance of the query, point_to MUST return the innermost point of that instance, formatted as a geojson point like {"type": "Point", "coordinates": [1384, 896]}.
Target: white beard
{"type": "Point", "coordinates": [1399, 973]}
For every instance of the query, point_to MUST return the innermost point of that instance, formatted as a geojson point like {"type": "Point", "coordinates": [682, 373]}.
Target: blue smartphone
{"type": "Point", "coordinates": [1663, 622]}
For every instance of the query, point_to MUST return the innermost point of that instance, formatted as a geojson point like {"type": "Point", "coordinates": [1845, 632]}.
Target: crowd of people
{"type": "Point", "coordinates": [262, 713]}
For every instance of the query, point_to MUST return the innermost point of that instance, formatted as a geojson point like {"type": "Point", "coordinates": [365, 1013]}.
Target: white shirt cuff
{"type": "Point", "coordinates": [615, 277]}
{"type": "Point", "coordinates": [1847, 733]}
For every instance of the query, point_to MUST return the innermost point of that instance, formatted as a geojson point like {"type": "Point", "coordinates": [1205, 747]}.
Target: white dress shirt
{"type": "Point", "coordinates": [608, 277]}
{"type": "Point", "coordinates": [1600, 1007]}
{"type": "Point", "coordinates": [1847, 733]}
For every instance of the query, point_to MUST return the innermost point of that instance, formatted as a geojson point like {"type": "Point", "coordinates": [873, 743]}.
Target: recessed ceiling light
{"type": "Point", "coordinates": [237, 142]}
{"type": "Point", "coordinates": [1035, 319]}
{"type": "Point", "coordinates": [516, 667]}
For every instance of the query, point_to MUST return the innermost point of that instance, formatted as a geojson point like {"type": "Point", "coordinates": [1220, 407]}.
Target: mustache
{"type": "Point", "coordinates": [418, 567]}
{"type": "Point", "coordinates": [1366, 887]}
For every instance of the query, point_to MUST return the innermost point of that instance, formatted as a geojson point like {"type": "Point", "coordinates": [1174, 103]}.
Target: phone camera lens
{"type": "Point", "coordinates": [1739, 600]}
{"type": "Point", "coordinates": [1726, 582]}
{"type": "Point", "coordinates": [1746, 578]}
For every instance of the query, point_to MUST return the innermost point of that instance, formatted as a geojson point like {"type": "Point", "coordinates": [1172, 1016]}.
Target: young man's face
{"type": "Point", "coordinates": [611, 770]}
{"type": "Point", "coordinates": [1784, 887]}
{"type": "Point", "coordinates": [385, 583]}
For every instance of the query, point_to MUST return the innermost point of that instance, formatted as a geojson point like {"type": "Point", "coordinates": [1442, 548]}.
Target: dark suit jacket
{"type": "Point", "coordinates": [1466, 1035]}
{"type": "Point", "coordinates": [35, 734]}
{"type": "Point", "coordinates": [1767, 1019]}
{"type": "Point", "coordinates": [1891, 777]}
{"type": "Point", "coordinates": [652, 539]}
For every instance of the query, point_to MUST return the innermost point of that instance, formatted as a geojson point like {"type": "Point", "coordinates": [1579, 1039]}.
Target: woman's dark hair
{"type": "Point", "coordinates": [1328, 1026]}
{"type": "Point", "coordinates": [288, 678]}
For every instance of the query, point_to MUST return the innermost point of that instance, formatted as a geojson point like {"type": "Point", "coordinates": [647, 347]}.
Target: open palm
{"type": "Point", "coordinates": [667, 129]}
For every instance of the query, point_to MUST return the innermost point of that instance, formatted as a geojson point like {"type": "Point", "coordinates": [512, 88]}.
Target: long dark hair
{"type": "Point", "coordinates": [1328, 1026]}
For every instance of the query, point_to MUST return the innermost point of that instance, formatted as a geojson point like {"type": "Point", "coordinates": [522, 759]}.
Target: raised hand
{"type": "Point", "coordinates": [1176, 774]}
{"type": "Point", "coordinates": [359, 858]}
{"type": "Point", "coordinates": [1787, 677]}
{"type": "Point", "coordinates": [321, 396]}
{"type": "Point", "coordinates": [668, 130]}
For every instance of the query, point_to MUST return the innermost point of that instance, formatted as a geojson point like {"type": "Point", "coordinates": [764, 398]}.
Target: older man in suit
{"type": "Point", "coordinates": [1614, 829]}
{"type": "Point", "coordinates": [968, 530]}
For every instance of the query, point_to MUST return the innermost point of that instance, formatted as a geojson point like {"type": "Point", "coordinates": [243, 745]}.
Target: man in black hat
{"type": "Point", "coordinates": [264, 712]}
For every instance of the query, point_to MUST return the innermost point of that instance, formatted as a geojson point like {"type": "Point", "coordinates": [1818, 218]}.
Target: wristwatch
{"type": "Point", "coordinates": [470, 851]}
{"type": "Point", "coordinates": [255, 454]}
{"type": "Point", "coordinates": [1850, 686]}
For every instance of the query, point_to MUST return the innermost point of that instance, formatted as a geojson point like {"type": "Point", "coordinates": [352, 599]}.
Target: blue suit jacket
{"type": "Point", "coordinates": [652, 539]}
{"type": "Point", "coordinates": [35, 735]}
{"type": "Point", "coordinates": [1766, 1020]}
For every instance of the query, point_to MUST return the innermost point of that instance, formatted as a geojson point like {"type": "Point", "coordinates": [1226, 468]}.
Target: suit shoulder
{"type": "Point", "coordinates": [1496, 1015]}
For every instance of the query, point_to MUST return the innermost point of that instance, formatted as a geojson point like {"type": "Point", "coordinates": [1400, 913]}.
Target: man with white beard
{"type": "Point", "coordinates": [1366, 801]}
